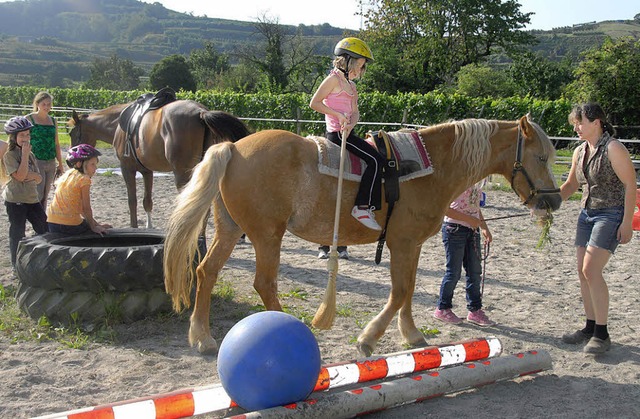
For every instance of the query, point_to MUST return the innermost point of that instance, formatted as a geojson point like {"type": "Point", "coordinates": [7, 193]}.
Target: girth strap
{"type": "Point", "coordinates": [391, 183]}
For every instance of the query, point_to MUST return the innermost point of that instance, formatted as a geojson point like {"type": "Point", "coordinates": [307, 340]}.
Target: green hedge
{"type": "Point", "coordinates": [409, 108]}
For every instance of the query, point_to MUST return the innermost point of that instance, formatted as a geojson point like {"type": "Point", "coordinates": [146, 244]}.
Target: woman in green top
{"type": "Point", "coordinates": [45, 145]}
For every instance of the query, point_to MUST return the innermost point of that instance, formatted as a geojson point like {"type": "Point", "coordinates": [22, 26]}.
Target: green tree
{"type": "Point", "coordinates": [419, 45]}
{"type": "Point", "coordinates": [207, 64]}
{"type": "Point", "coordinates": [476, 80]}
{"type": "Point", "coordinates": [609, 75]}
{"type": "Point", "coordinates": [284, 59]}
{"type": "Point", "coordinates": [539, 77]}
{"type": "Point", "coordinates": [172, 71]}
{"type": "Point", "coordinates": [240, 78]}
{"type": "Point", "coordinates": [114, 73]}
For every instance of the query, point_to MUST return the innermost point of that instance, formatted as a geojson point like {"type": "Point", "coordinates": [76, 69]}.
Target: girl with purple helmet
{"type": "Point", "coordinates": [70, 211]}
{"type": "Point", "coordinates": [21, 190]}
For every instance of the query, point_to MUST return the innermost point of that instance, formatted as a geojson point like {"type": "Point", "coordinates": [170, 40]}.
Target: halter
{"type": "Point", "coordinates": [519, 167]}
{"type": "Point", "coordinates": [78, 126]}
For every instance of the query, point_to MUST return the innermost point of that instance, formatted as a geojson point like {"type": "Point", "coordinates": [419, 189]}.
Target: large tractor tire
{"type": "Point", "coordinates": [84, 307]}
{"type": "Point", "coordinates": [89, 278]}
{"type": "Point", "coordinates": [119, 261]}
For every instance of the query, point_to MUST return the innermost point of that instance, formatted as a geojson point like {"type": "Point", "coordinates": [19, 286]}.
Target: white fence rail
{"type": "Point", "coordinates": [9, 110]}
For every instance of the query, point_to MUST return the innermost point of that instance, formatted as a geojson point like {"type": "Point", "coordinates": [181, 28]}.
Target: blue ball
{"type": "Point", "coordinates": [268, 359]}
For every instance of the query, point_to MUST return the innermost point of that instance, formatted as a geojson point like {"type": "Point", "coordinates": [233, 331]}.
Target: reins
{"type": "Point", "coordinates": [507, 216]}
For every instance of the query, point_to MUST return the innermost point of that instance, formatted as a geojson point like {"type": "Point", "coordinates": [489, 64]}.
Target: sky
{"type": "Point", "coordinates": [549, 14]}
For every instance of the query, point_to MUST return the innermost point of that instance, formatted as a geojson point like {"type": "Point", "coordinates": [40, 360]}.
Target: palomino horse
{"type": "Point", "coordinates": [269, 182]}
{"type": "Point", "coordinates": [171, 139]}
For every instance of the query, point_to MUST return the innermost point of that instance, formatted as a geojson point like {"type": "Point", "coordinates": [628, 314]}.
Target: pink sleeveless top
{"type": "Point", "coordinates": [341, 102]}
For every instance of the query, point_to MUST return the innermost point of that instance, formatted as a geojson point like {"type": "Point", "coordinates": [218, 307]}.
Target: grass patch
{"type": "Point", "coordinates": [17, 327]}
{"type": "Point", "coordinates": [108, 173]}
{"type": "Point", "coordinates": [224, 290]}
{"type": "Point", "coordinates": [294, 293]}
{"type": "Point", "coordinates": [344, 311]}
{"type": "Point", "coordinates": [427, 331]}
{"type": "Point", "coordinates": [301, 314]}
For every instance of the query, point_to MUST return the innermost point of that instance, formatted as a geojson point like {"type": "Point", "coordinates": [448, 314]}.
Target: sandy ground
{"type": "Point", "coordinates": [532, 294]}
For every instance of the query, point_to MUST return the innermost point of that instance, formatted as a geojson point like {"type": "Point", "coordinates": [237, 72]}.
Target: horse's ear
{"type": "Point", "coordinates": [75, 117]}
{"type": "Point", "coordinates": [525, 126]}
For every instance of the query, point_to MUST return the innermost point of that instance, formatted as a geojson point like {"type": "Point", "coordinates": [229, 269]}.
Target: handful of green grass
{"type": "Point", "coordinates": [545, 222]}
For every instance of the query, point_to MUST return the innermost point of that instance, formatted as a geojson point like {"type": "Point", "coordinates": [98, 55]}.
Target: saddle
{"type": "Point", "coordinates": [131, 116]}
{"type": "Point", "coordinates": [405, 156]}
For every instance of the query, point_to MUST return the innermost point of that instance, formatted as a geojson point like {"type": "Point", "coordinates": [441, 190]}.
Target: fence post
{"type": "Point", "coordinates": [298, 118]}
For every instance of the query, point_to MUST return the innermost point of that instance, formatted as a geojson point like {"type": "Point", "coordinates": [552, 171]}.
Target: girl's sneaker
{"type": "Point", "coordinates": [478, 317]}
{"type": "Point", "coordinates": [366, 217]}
{"type": "Point", "coordinates": [447, 315]}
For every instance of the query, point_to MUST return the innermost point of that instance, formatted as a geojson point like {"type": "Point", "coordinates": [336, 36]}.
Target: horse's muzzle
{"type": "Point", "coordinates": [550, 201]}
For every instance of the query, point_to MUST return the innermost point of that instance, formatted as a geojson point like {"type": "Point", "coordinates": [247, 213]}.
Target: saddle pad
{"type": "Point", "coordinates": [406, 144]}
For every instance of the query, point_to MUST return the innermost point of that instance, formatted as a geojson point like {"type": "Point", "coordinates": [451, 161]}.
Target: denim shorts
{"type": "Point", "coordinates": [599, 228]}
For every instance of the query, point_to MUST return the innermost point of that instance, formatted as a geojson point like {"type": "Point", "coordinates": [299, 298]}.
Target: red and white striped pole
{"type": "Point", "coordinates": [411, 389]}
{"type": "Point", "coordinates": [208, 399]}
{"type": "Point", "coordinates": [407, 362]}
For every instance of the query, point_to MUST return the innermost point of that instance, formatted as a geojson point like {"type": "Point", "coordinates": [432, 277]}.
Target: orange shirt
{"type": "Point", "coordinates": [66, 207]}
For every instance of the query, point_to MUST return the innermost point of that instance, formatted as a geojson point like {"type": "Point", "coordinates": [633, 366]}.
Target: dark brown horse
{"type": "Point", "coordinates": [171, 139]}
{"type": "Point", "coordinates": [269, 183]}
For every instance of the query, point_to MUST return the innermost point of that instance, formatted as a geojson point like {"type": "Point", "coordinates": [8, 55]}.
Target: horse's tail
{"type": "Point", "coordinates": [224, 126]}
{"type": "Point", "coordinates": [185, 223]}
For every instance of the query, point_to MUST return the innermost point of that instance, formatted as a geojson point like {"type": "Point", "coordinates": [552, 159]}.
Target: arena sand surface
{"type": "Point", "coordinates": [532, 294]}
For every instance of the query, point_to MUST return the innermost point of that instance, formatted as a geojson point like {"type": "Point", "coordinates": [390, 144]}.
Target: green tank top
{"type": "Point", "coordinates": [43, 140]}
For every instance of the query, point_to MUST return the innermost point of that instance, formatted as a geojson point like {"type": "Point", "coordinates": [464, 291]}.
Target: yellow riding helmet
{"type": "Point", "coordinates": [353, 47]}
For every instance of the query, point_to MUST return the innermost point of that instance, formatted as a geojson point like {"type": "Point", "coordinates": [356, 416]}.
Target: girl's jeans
{"type": "Point", "coordinates": [19, 214]}
{"type": "Point", "coordinates": [462, 247]}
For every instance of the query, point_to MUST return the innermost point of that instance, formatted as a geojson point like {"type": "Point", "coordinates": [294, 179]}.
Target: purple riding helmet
{"type": "Point", "coordinates": [81, 152]}
{"type": "Point", "coordinates": [17, 124]}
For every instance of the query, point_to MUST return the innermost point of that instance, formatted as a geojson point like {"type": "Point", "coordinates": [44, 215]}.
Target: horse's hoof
{"type": "Point", "coordinates": [365, 349]}
{"type": "Point", "coordinates": [417, 342]}
{"type": "Point", "coordinates": [208, 348]}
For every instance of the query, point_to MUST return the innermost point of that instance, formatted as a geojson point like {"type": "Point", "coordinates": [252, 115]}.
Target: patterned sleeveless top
{"type": "Point", "coordinates": [601, 187]}
{"type": "Point", "coordinates": [43, 140]}
{"type": "Point", "coordinates": [468, 203]}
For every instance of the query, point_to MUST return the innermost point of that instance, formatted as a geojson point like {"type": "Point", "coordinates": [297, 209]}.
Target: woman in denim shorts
{"type": "Point", "coordinates": [601, 166]}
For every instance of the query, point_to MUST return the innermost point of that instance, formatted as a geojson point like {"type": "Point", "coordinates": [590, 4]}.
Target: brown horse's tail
{"type": "Point", "coordinates": [223, 127]}
{"type": "Point", "coordinates": [185, 223]}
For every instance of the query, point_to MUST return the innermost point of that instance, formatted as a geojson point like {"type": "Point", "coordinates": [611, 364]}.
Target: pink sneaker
{"type": "Point", "coordinates": [478, 317]}
{"type": "Point", "coordinates": [447, 315]}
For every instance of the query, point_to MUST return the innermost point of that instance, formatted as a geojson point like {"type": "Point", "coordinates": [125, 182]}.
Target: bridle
{"type": "Point", "coordinates": [518, 167]}
{"type": "Point", "coordinates": [77, 126]}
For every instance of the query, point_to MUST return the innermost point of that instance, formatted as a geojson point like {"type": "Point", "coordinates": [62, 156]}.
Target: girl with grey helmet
{"type": "Point", "coordinates": [17, 124]}
{"type": "Point", "coordinates": [21, 193]}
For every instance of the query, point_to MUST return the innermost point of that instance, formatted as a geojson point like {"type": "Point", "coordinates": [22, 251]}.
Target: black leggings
{"type": "Point", "coordinates": [370, 191]}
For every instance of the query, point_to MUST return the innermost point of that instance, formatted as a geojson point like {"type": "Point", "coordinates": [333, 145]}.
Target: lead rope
{"type": "Point", "coordinates": [483, 257]}
{"type": "Point", "coordinates": [484, 266]}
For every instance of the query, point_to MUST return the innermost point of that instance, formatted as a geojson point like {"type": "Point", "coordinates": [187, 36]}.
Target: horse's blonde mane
{"type": "Point", "coordinates": [472, 147]}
